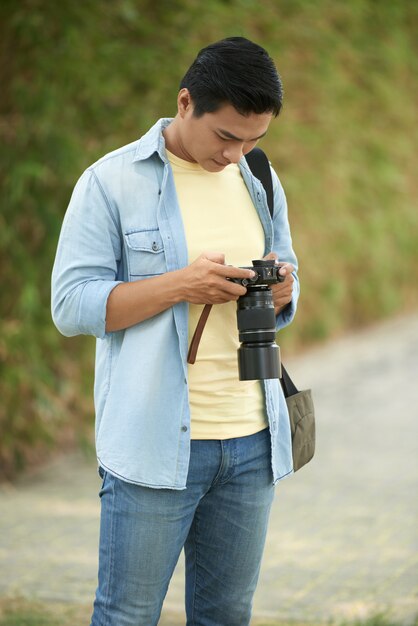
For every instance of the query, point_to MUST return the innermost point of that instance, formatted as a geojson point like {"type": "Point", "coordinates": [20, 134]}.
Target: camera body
{"type": "Point", "coordinates": [258, 354]}
{"type": "Point", "coordinates": [266, 273]}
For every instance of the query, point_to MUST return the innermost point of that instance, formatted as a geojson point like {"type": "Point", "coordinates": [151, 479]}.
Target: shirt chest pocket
{"type": "Point", "coordinates": [145, 254]}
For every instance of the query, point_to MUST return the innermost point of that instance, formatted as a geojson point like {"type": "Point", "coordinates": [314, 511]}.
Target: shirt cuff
{"type": "Point", "coordinates": [93, 303]}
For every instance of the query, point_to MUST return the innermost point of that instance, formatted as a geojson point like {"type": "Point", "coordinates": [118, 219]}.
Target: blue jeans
{"type": "Point", "coordinates": [220, 520]}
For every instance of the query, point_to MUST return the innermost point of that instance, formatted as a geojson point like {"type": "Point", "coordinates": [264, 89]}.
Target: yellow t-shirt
{"type": "Point", "coordinates": [219, 216]}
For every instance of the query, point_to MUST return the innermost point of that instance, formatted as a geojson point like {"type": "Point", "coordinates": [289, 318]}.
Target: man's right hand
{"type": "Point", "coordinates": [205, 280]}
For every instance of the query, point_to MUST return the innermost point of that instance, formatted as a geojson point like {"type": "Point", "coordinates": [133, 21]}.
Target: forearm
{"type": "Point", "coordinates": [131, 303]}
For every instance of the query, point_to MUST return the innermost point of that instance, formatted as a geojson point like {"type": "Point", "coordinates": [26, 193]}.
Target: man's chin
{"type": "Point", "coordinates": [215, 166]}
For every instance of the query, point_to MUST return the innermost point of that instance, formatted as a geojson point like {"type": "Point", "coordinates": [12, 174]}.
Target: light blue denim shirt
{"type": "Point", "coordinates": [123, 223]}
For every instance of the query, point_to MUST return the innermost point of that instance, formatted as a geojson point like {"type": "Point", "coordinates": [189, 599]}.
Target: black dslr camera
{"type": "Point", "coordinates": [259, 354]}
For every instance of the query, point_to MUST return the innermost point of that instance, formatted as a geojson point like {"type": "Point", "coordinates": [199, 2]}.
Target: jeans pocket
{"type": "Point", "coordinates": [103, 475]}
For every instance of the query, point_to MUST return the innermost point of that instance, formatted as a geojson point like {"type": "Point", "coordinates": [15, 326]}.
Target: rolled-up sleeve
{"type": "Point", "coordinates": [86, 262]}
{"type": "Point", "coordinates": [282, 245]}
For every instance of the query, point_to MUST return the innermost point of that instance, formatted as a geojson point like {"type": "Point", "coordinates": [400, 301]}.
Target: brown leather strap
{"type": "Point", "coordinates": [194, 344]}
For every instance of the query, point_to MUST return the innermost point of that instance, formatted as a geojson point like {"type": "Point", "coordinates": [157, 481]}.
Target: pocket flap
{"type": "Point", "coordinates": [146, 240]}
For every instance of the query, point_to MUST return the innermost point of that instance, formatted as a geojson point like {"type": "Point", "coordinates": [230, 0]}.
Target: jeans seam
{"type": "Point", "coordinates": [195, 533]}
{"type": "Point", "coordinates": [111, 560]}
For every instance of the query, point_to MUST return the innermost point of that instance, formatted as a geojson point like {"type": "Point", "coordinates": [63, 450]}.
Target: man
{"type": "Point", "coordinates": [189, 455]}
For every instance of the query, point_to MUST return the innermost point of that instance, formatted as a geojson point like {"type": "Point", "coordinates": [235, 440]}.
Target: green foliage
{"type": "Point", "coordinates": [351, 134]}
{"type": "Point", "coordinates": [23, 612]}
{"type": "Point", "coordinates": [381, 619]}
{"type": "Point", "coordinates": [79, 79]}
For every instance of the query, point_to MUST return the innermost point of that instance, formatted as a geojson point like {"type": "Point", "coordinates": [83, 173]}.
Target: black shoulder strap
{"type": "Point", "coordinates": [259, 165]}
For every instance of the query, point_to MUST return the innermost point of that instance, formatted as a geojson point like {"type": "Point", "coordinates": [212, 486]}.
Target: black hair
{"type": "Point", "coordinates": [234, 71]}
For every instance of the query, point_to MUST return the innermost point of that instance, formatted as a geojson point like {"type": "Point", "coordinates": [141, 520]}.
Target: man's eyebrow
{"type": "Point", "coordinates": [231, 136]}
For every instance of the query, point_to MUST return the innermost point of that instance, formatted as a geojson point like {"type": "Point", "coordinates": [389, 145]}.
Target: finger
{"type": "Point", "coordinates": [234, 290]}
{"type": "Point", "coordinates": [271, 256]}
{"type": "Point", "coordinates": [229, 271]}
{"type": "Point", "coordinates": [285, 269]}
{"type": "Point", "coordinates": [225, 293]}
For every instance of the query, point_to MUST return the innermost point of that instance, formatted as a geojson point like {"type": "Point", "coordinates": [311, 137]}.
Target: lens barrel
{"type": "Point", "coordinates": [258, 355]}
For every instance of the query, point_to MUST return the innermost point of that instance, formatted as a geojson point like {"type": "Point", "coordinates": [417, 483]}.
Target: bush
{"type": "Point", "coordinates": [79, 79]}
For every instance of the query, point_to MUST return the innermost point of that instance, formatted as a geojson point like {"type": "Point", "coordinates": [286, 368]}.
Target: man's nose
{"type": "Point", "coordinates": [233, 152]}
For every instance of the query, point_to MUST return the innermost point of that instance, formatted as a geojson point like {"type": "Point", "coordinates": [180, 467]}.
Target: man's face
{"type": "Point", "coordinates": [217, 139]}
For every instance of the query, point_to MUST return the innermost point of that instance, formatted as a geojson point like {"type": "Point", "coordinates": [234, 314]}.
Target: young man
{"type": "Point", "coordinates": [189, 455]}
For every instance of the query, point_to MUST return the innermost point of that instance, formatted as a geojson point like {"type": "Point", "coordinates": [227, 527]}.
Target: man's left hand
{"type": "Point", "coordinates": [282, 292]}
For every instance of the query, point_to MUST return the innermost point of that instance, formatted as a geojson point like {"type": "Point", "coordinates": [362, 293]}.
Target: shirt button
{"type": "Point", "coordinates": [154, 246]}
{"type": "Point", "coordinates": [184, 429]}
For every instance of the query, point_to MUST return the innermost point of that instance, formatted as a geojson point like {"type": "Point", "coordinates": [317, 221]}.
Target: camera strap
{"type": "Point", "coordinates": [260, 167]}
{"type": "Point", "coordinates": [194, 344]}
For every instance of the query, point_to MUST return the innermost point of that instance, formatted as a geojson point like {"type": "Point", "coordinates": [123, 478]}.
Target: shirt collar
{"type": "Point", "coordinates": [153, 141]}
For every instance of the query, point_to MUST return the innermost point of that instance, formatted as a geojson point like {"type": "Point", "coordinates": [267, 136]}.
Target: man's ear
{"type": "Point", "coordinates": [184, 102]}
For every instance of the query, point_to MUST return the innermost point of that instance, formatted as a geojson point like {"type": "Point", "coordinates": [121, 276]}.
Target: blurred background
{"type": "Point", "coordinates": [79, 79]}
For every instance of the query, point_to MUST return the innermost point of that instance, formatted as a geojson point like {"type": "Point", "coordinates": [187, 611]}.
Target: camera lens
{"type": "Point", "coordinates": [258, 355]}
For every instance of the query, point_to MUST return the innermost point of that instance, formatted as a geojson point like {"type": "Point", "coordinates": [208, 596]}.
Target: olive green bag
{"type": "Point", "coordinates": [302, 420]}
{"type": "Point", "coordinates": [299, 403]}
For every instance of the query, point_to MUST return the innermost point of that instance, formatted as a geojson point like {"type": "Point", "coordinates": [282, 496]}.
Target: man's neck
{"type": "Point", "coordinates": [172, 140]}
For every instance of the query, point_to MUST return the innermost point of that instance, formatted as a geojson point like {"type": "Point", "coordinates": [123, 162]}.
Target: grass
{"type": "Point", "coordinates": [22, 612]}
